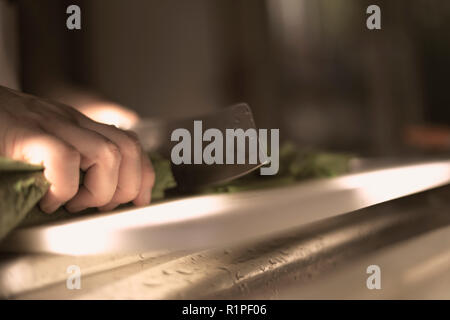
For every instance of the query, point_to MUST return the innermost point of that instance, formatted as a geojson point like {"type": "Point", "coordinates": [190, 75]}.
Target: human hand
{"type": "Point", "coordinates": [65, 141]}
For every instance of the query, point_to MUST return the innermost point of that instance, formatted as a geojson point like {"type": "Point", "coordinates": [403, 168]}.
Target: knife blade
{"type": "Point", "coordinates": [155, 135]}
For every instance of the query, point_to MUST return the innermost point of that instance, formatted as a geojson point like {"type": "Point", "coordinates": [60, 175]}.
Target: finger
{"type": "Point", "coordinates": [61, 162]}
{"type": "Point", "coordinates": [100, 158]}
{"type": "Point", "coordinates": [129, 182]}
{"type": "Point", "coordinates": [148, 180]}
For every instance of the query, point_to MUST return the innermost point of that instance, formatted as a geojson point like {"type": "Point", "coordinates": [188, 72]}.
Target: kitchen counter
{"type": "Point", "coordinates": [316, 260]}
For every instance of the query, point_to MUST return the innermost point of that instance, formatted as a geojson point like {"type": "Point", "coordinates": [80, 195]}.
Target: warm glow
{"type": "Point", "coordinates": [378, 186]}
{"type": "Point", "coordinates": [36, 152]}
{"type": "Point", "coordinates": [110, 114]}
{"type": "Point", "coordinates": [96, 235]}
{"type": "Point", "coordinates": [213, 220]}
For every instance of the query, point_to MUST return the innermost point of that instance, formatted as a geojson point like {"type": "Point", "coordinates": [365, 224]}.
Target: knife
{"type": "Point", "coordinates": [155, 136]}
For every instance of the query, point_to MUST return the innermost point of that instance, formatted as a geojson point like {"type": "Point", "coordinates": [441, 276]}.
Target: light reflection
{"type": "Point", "coordinates": [36, 151]}
{"type": "Point", "coordinates": [110, 114]}
{"type": "Point", "coordinates": [96, 235]}
{"type": "Point", "coordinates": [384, 185]}
{"type": "Point", "coordinates": [275, 209]}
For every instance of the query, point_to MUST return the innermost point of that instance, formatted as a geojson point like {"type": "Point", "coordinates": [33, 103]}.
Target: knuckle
{"type": "Point", "coordinates": [68, 191]}
{"type": "Point", "coordinates": [70, 156]}
{"type": "Point", "coordinates": [101, 200]}
{"type": "Point", "coordinates": [98, 197]}
{"type": "Point", "coordinates": [110, 153]}
{"type": "Point", "coordinates": [71, 159]}
{"type": "Point", "coordinates": [127, 195]}
{"type": "Point", "coordinates": [130, 144]}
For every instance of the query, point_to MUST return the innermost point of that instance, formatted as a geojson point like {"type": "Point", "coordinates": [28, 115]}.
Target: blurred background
{"type": "Point", "coordinates": [308, 67]}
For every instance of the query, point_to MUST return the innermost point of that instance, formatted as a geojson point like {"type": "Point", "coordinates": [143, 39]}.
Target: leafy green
{"type": "Point", "coordinates": [22, 186]}
{"type": "Point", "coordinates": [164, 179]}
{"type": "Point", "coordinates": [7, 165]}
{"type": "Point", "coordinates": [295, 165]}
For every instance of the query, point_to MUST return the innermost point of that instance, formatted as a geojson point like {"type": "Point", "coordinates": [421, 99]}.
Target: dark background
{"type": "Point", "coordinates": [308, 67]}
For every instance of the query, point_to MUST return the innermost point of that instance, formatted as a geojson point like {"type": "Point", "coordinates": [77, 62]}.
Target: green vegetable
{"type": "Point", "coordinates": [164, 179]}
{"type": "Point", "coordinates": [295, 165]}
{"type": "Point", "coordinates": [22, 186]}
